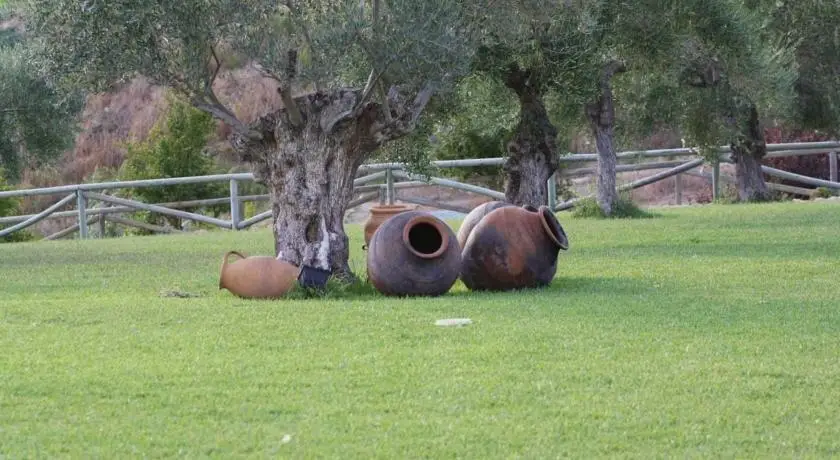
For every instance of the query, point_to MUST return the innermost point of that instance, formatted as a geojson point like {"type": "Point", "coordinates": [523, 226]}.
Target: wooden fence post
{"type": "Point", "coordinates": [81, 201]}
{"type": "Point", "coordinates": [552, 191]}
{"type": "Point", "coordinates": [716, 180]}
{"type": "Point", "coordinates": [678, 188]}
{"type": "Point", "coordinates": [832, 166]}
{"type": "Point", "coordinates": [235, 204]}
{"type": "Point", "coordinates": [389, 186]}
{"type": "Point", "coordinates": [383, 195]}
{"type": "Point", "coordinates": [102, 225]}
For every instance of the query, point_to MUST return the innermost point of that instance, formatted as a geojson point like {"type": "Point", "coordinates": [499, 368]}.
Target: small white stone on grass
{"type": "Point", "coordinates": [458, 322]}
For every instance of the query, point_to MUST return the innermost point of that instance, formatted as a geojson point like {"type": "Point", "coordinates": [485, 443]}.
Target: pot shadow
{"type": "Point", "coordinates": [565, 285]}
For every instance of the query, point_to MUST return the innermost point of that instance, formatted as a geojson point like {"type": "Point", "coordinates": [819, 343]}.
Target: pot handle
{"type": "Point", "coordinates": [228, 254]}
{"type": "Point", "coordinates": [225, 264]}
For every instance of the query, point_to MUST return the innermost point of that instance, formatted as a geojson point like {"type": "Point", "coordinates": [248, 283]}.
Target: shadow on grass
{"type": "Point", "coordinates": [560, 287]}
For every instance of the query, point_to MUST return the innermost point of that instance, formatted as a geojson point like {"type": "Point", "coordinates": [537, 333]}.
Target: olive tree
{"type": "Point", "coordinates": [812, 28]}
{"type": "Point", "coordinates": [536, 48]}
{"type": "Point", "coordinates": [723, 80]}
{"type": "Point", "coordinates": [352, 75]}
{"type": "Point", "coordinates": [37, 118]}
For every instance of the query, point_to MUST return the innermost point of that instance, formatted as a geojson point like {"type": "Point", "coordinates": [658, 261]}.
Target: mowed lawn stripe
{"type": "Point", "coordinates": [708, 331]}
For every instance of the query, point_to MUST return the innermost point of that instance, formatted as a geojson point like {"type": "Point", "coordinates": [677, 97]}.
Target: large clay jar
{"type": "Point", "coordinates": [378, 215]}
{"type": "Point", "coordinates": [475, 216]}
{"type": "Point", "coordinates": [257, 277]}
{"type": "Point", "coordinates": [513, 248]}
{"type": "Point", "coordinates": [413, 254]}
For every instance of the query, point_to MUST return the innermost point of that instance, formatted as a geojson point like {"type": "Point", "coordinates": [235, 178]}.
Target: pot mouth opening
{"type": "Point", "coordinates": [424, 237]}
{"type": "Point", "coordinates": [553, 228]}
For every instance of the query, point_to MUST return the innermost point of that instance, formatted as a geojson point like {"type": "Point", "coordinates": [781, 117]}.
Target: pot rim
{"type": "Point", "coordinates": [553, 228]}
{"type": "Point", "coordinates": [439, 225]}
{"type": "Point", "coordinates": [389, 208]}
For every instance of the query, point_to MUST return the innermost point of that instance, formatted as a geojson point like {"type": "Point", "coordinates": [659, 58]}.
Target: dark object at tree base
{"type": "Point", "coordinates": [475, 216]}
{"type": "Point", "coordinates": [413, 254]}
{"type": "Point", "coordinates": [378, 215]}
{"type": "Point", "coordinates": [513, 248]}
{"type": "Point", "coordinates": [311, 277]}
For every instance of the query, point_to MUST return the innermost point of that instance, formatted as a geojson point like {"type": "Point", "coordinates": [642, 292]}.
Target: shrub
{"type": "Point", "coordinates": [175, 148]}
{"type": "Point", "coordinates": [11, 207]}
{"type": "Point", "coordinates": [822, 192]}
{"type": "Point", "coordinates": [624, 208]}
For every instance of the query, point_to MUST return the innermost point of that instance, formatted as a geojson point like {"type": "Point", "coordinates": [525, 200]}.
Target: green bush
{"type": "Point", "coordinates": [484, 119]}
{"type": "Point", "coordinates": [822, 192]}
{"type": "Point", "coordinates": [11, 207]}
{"type": "Point", "coordinates": [624, 208]}
{"type": "Point", "coordinates": [175, 148]}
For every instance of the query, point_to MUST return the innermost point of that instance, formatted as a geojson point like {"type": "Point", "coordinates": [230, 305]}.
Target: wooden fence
{"type": "Point", "coordinates": [383, 181]}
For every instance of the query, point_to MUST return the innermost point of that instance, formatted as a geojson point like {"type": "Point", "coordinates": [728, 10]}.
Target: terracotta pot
{"type": "Point", "coordinates": [378, 215]}
{"type": "Point", "coordinates": [257, 277]}
{"type": "Point", "coordinates": [513, 248]}
{"type": "Point", "coordinates": [475, 216]}
{"type": "Point", "coordinates": [412, 254]}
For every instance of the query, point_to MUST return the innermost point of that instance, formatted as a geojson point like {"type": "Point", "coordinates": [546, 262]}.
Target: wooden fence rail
{"type": "Point", "coordinates": [396, 177]}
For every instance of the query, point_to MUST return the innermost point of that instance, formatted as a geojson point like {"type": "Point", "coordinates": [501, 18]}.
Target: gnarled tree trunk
{"type": "Point", "coordinates": [531, 152]}
{"type": "Point", "coordinates": [309, 167]}
{"type": "Point", "coordinates": [601, 115]}
{"type": "Point", "coordinates": [747, 153]}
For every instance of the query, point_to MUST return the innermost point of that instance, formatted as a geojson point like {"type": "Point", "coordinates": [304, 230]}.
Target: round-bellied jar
{"type": "Point", "coordinates": [474, 217]}
{"type": "Point", "coordinates": [413, 254]}
{"type": "Point", "coordinates": [378, 215]}
{"type": "Point", "coordinates": [257, 277]}
{"type": "Point", "coordinates": [513, 248]}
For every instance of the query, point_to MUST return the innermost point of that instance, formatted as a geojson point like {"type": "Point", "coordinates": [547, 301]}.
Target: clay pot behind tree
{"type": "Point", "coordinates": [475, 216]}
{"type": "Point", "coordinates": [378, 215]}
{"type": "Point", "coordinates": [413, 254]}
{"type": "Point", "coordinates": [257, 277]}
{"type": "Point", "coordinates": [513, 248]}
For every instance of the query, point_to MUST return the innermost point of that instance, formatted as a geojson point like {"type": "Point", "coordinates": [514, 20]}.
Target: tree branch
{"type": "Point", "coordinates": [285, 90]}
{"type": "Point", "coordinates": [220, 112]}
{"type": "Point", "coordinates": [307, 38]}
{"type": "Point", "coordinates": [386, 106]}
{"type": "Point", "coordinates": [421, 101]}
{"type": "Point", "coordinates": [611, 69]}
{"type": "Point", "coordinates": [218, 66]}
{"type": "Point", "coordinates": [209, 103]}
{"type": "Point", "coordinates": [603, 110]}
{"type": "Point", "coordinates": [703, 75]}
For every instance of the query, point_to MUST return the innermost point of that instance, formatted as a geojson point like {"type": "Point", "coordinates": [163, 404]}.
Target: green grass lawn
{"type": "Point", "coordinates": [707, 332]}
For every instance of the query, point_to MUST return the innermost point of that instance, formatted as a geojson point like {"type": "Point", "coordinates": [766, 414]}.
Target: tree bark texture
{"type": "Point", "coordinates": [532, 157]}
{"type": "Point", "coordinates": [747, 153]}
{"type": "Point", "coordinates": [308, 165]}
{"type": "Point", "coordinates": [601, 115]}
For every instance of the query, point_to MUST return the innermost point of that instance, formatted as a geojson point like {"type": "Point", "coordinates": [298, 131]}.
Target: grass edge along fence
{"type": "Point", "coordinates": [395, 178]}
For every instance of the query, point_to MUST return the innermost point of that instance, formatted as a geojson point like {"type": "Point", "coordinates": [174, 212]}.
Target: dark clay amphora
{"type": "Point", "coordinates": [413, 254]}
{"type": "Point", "coordinates": [513, 248]}
{"type": "Point", "coordinates": [474, 217]}
{"type": "Point", "coordinates": [257, 277]}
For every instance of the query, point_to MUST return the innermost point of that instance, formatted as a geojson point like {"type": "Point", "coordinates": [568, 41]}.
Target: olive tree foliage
{"type": "Point", "coordinates": [352, 75]}
{"type": "Point", "coordinates": [534, 48]}
{"type": "Point", "coordinates": [723, 80]}
{"type": "Point", "coordinates": [37, 119]}
{"type": "Point", "coordinates": [812, 28]}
